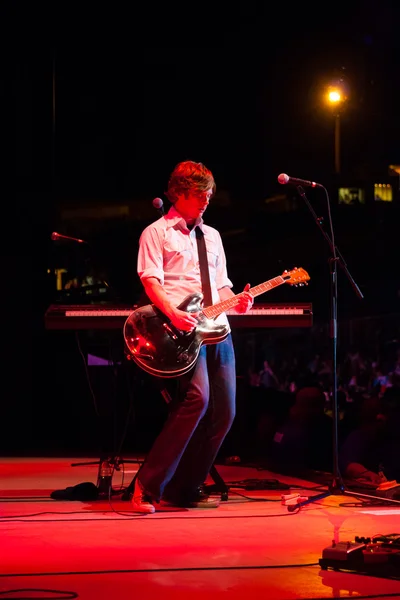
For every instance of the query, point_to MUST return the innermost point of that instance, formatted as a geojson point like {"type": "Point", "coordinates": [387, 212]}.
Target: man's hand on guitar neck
{"type": "Point", "coordinates": [245, 299]}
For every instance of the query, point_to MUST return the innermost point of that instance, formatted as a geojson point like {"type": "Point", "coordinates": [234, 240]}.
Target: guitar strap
{"type": "Point", "coordinates": [204, 272]}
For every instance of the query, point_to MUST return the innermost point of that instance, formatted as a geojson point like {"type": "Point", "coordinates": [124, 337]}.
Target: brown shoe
{"type": "Point", "coordinates": [141, 502]}
{"type": "Point", "coordinates": [204, 502]}
{"type": "Point", "coordinates": [198, 500]}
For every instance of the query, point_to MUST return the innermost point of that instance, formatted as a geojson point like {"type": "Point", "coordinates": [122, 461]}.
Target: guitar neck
{"type": "Point", "coordinates": [216, 309]}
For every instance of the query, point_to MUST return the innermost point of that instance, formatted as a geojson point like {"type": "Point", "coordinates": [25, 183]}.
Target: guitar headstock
{"type": "Point", "coordinates": [296, 276]}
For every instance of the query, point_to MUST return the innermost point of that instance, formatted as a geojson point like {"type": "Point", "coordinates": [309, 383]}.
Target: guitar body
{"type": "Point", "coordinates": [165, 351]}
{"type": "Point", "coordinates": [161, 349]}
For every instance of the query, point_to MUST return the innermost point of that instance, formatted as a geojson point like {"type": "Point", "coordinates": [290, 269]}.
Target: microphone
{"type": "Point", "coordinates": [159, 205]}
{"type": "Point", "coordinates": [58, 236]}
{"type": "Point", "coordinates": [283, 179]}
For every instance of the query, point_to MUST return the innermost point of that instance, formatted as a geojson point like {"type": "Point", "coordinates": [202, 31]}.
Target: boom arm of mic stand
{"type": "Point", "coordinates": [336, 254]}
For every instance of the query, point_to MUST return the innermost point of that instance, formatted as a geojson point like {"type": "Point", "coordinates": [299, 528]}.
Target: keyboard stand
{"type": "Point", "coordinates": [220, 485]}
{"type": "Point", "coordinates": [109, 460]}
{"type": "Point", "coordinates": [107, 465]}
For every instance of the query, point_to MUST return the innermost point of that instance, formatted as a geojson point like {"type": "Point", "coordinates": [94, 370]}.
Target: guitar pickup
{"type": "Point", "coordinates": [169, 331]}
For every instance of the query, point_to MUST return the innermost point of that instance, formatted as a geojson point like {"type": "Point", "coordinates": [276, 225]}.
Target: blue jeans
{"type": "Point", "coordinates": [199, 419]}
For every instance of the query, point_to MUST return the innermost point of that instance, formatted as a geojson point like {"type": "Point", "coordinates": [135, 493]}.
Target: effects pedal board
{"type": "Point", "coordinates": [378, 556]}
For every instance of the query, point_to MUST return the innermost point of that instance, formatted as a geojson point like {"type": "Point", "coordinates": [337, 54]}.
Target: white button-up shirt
{"type": "Point", "coordinates": [168, 251]}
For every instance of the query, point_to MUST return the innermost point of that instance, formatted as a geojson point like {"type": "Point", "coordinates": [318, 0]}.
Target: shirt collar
{"type": "Point", "coordinates": [174, 217]}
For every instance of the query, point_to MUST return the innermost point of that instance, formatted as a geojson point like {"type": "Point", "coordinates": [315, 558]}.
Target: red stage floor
{"type": "Point", "coordinates": [252, 546]}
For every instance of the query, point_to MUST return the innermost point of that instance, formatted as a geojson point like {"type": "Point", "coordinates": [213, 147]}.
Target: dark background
{"type": "Point", "coordinates": [102, 103]}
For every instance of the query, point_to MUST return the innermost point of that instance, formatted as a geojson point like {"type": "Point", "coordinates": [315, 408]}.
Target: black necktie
{"type": "Point", "coordinates": [205, 275]}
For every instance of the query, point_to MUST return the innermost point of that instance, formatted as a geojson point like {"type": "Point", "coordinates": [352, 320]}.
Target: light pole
{"type": "Point", "coordinates": [337, 143]}
{"type": "Point", "coordinates": [336, 98]}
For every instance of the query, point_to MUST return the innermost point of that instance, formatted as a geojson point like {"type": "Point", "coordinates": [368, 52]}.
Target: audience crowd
{"type": "Point", "coordinates": [295, 424]}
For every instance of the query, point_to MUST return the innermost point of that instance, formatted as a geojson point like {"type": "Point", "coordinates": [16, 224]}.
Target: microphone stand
{"type": "Point", "coordinates": [337, 486]}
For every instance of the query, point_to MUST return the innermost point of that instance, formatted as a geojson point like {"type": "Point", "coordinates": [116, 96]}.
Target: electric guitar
{"type": "Point", "coordinates": [161, 349]}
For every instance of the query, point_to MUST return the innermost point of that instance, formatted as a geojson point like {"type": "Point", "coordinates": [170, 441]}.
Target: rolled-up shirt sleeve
{"type": "Point", "coordinates": [150, 255]}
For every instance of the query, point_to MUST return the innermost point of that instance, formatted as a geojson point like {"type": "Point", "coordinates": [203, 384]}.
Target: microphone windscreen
{"type": "Point", "coordinates": [283, 178]}
{"type": "Point", "coordinates": [157, 203]}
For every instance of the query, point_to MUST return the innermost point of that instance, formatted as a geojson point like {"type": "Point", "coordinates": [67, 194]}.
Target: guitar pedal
{"type": "Point", "coordinates": [343, 551]}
